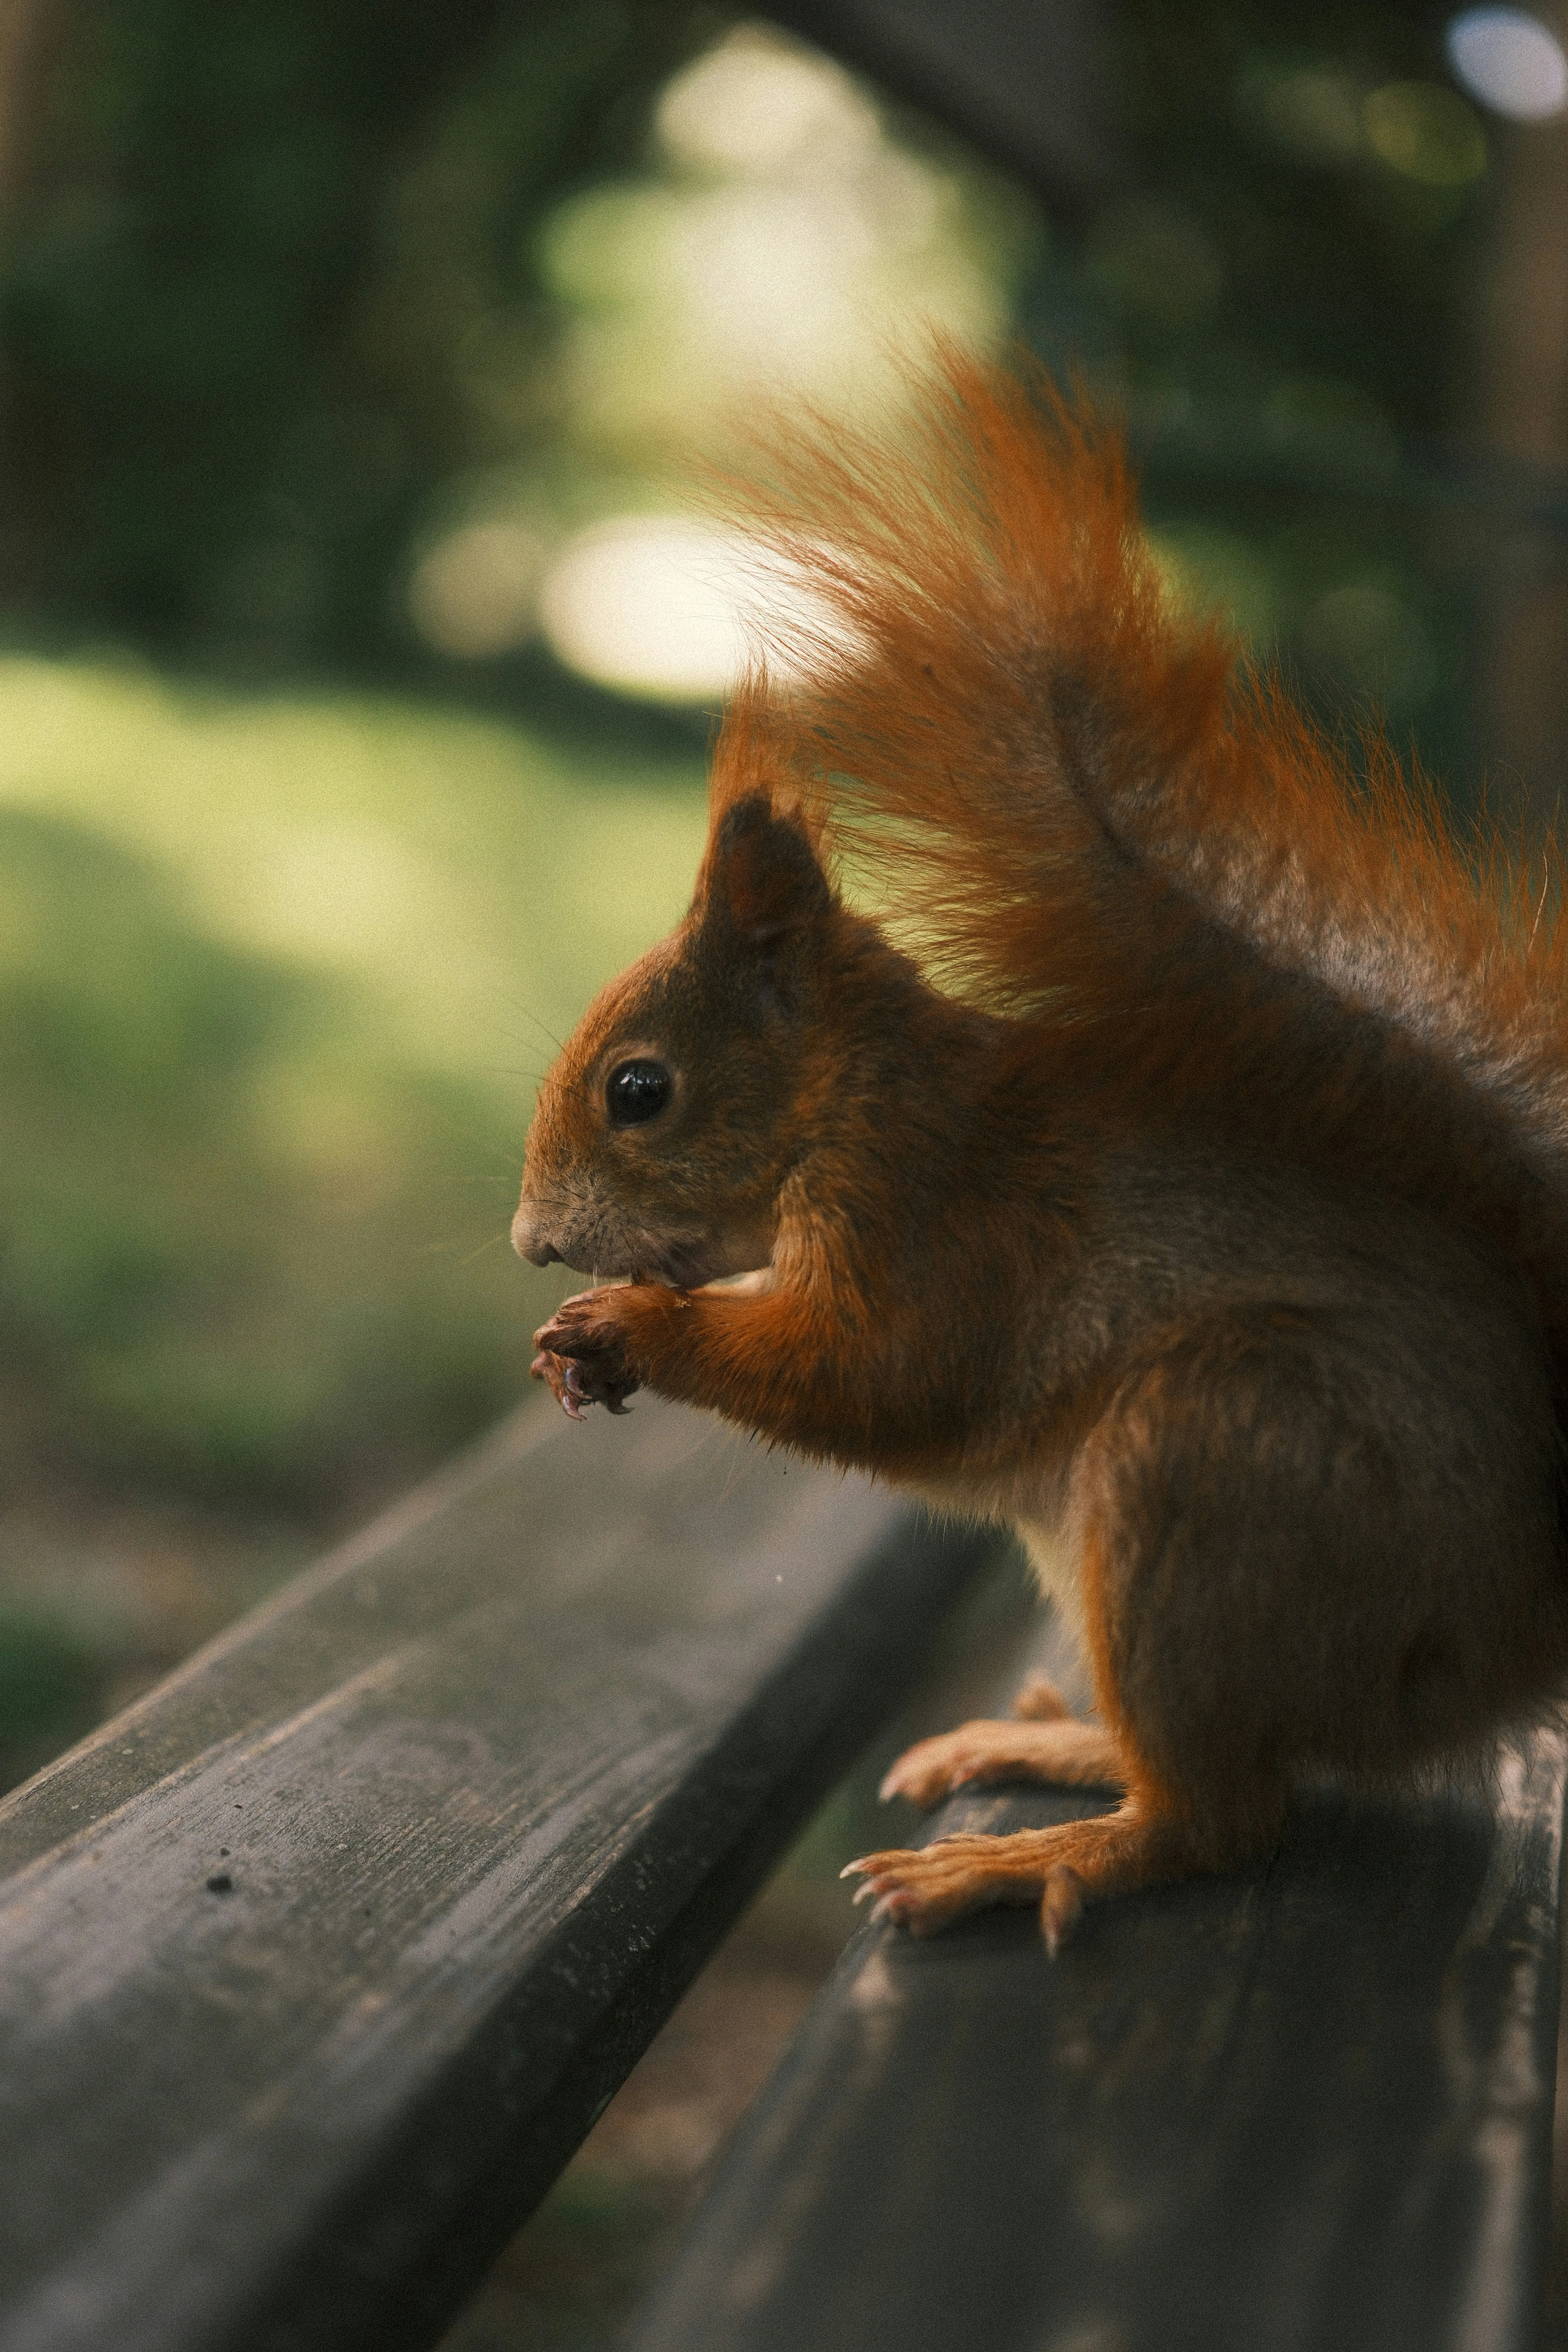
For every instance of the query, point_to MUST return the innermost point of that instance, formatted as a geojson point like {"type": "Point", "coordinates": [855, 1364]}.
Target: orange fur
{"type": "Point", "coordinates": [1195, 1197]}
{"type": "Point", "coordinates": [1085, 807]}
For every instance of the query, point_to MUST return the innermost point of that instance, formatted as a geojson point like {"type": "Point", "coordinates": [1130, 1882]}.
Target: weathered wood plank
{"type": "Point", "coordinates": [315, 1966]}
{"type": "Point", "coordinates": [1305, 2111]}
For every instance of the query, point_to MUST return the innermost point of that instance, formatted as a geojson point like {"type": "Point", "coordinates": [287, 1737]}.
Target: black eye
{"type": "Point", "coordinates": [636, 1092]}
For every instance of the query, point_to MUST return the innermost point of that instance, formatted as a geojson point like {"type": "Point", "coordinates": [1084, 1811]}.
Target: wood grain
{"type": "Point", "coordinates": [1309, 2110]}
{"type": "Point", "coordinates": [317, 1964]}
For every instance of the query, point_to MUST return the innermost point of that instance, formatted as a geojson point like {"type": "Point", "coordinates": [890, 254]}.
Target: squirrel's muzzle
{"type": "Point", "coordinates": [529, 1242]}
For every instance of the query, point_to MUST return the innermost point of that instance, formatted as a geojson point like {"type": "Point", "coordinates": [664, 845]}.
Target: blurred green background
{"type": "Point", "coordinates": [351, 360]}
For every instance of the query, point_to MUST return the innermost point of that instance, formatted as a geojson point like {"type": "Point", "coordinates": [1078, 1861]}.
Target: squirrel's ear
{"type": "Point", "coordinates": [761, 878]}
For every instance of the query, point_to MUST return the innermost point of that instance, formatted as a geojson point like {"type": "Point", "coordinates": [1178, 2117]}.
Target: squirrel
{"type": "Point", "coordinates": [1177, 1172]}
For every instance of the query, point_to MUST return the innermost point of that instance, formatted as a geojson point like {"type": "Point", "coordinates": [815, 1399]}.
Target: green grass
{"type": "Point", "coordinates": [275, 977]}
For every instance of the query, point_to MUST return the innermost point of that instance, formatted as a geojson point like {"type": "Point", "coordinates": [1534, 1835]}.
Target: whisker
{"type": "Point", "coordinates": [517, 1007]}
{"type": "Point", "coordinates": [489, 1242]}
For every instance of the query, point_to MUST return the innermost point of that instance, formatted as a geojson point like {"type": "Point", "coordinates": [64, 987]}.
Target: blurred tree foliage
{"type": "Point", "coordinates": [258, 261]}
{"type": "Point", "coordinates": [1286, 296]}
{"type": "Point", "coordinates": [1312, 187]}
{"type": "Point", "coordinates": [275, 277]}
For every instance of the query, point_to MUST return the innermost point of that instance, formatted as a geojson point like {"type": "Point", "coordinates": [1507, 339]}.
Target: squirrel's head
{"type": "Point", "coordinates": [663, 1133]}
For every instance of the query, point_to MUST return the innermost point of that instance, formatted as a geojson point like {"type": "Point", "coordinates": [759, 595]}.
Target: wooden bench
{"type": "Point", "coordinates": [317, 1964]}
{"type": "Point", "coordinates": [1312, 2109]}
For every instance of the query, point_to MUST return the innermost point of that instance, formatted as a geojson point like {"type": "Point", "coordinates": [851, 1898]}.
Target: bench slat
{"type": "Point", "coordinates": [1305, 2111]}
{"type": "Point", "coordinates": [317, 1964]}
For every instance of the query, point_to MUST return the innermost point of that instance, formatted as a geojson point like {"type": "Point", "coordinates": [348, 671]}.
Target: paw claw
{"type": "Point", "coordinates": [1061, 1907]}
{"type": "Point", "coordinates": [581, 1355]}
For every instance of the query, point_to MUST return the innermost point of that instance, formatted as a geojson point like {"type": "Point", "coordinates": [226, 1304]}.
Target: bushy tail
{"type": "Point", "coordinates": [1089, 808]}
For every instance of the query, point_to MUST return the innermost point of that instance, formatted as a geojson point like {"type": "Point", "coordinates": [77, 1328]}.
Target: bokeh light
{"type": "Point", "coordinates": [754, 105]}
{"type": "Point", "coordinates": [659, 607]}
{"type": "Point", "coordinates": [781, 244]}
{"type": "Point", "coordinates": [472, 594]}
{"type": "Point", "coordinates": [1510, 61]}
{"type": "Point", "coordinates": [1332, 115]}
{"type": "Point", "coordinates": [1366, 638]}
{"type": "Point", "coordinates": [1426, 131]}
{"type": "Point", "coordinates": [784, 242]}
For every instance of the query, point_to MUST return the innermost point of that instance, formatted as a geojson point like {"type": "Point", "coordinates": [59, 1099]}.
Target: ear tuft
{"type": "Point", "coordinates": [763, 875]}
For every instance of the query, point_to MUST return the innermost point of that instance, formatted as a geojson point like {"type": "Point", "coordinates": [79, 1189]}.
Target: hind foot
{"type": "Point", "coordinates": [1061, 1869]}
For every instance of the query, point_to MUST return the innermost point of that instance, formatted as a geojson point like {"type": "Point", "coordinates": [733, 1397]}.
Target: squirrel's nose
{"type": "Point", "coordinates": [530, 1243]}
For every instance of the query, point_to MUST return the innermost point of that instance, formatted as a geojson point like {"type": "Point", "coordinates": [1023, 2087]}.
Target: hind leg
{"type": "Point", "coordinates": [1229, 1505]}
{"type": "Point", "coordinates": [1157, 1832]}
{"type": "Point", "coordinates": [1284, 1521]}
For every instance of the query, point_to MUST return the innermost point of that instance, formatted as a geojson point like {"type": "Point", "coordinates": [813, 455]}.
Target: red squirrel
{"type": "Point", "coordinates": [1189, 1188]}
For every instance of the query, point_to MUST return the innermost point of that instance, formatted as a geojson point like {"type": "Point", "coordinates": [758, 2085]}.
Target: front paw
{"type": "Point", "coordinates": [582, 1355]}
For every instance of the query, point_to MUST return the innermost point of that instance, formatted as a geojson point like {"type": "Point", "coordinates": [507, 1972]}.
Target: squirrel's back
{"type": "Point", "coordinates": [1095, 815]}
